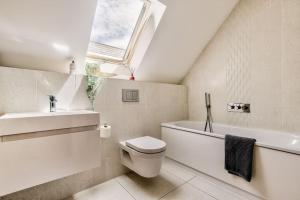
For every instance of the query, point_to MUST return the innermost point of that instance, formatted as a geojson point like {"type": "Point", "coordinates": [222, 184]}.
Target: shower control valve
{"type": "Point", "coordinates": [238, 107]}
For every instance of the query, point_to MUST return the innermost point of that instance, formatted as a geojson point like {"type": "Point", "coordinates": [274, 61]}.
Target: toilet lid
{"type": "Point", "coordinates": [147, 144]}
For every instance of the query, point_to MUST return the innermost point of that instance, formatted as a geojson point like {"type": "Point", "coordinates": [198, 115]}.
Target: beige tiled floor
{"type": "Point", "coordinates": [175, 182]}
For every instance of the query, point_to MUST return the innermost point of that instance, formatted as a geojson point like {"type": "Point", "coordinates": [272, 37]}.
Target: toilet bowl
{"type": "Point", "coordinates": [143, 155]}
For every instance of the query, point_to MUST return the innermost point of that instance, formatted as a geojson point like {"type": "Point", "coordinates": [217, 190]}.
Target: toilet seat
{"type": "Point", "coordinates": [147, 144]}
{"type": "Point", "coordinates": [143, 155]}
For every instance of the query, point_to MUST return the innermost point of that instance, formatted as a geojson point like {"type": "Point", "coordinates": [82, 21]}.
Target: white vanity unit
{"type": "Point", "coordinates": [36, 148]}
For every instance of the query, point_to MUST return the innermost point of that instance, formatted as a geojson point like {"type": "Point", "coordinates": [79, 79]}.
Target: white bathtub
{"type": "Point", "coordinates": [276, 168]}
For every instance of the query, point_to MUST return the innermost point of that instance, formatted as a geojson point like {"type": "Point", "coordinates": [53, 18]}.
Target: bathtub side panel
{"type": "Point", "coordinates": [275, 174]}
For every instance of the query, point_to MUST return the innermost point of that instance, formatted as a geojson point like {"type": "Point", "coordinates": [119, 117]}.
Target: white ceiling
{"type": "Point", "coordinates": [44, 34]}
{"type": "Point", "coordinates": [184, 31]}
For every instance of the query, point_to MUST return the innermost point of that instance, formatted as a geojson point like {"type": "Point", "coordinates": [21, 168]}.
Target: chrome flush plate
{"type": "Point", "coordinates": [130, 95]}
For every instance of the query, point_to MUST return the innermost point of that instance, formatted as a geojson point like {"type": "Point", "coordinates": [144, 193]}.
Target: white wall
{"type": "Point", "coordinates": [26, 91]}
{"type": "Point", "coordinates": [254, 58]}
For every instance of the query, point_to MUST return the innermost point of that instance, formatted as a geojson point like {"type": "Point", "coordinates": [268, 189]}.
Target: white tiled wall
{"type": "Point", "coordinates": [27, 90]}
{"type": "Point", "coordinates": [254, 58]}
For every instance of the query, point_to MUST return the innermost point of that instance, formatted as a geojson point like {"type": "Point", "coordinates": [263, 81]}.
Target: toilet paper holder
{"type": "Point", "coordinates": [105, 131]}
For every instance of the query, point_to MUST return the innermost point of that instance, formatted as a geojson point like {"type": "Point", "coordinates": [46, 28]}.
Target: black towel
{"type": "Point", "coordinates": [239, 156]}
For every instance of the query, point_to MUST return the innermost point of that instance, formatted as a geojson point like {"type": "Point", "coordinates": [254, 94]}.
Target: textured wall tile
{"type": "Point", "coordinates": [78, 99]}
{"type": "Point", "coordinates": [257, 49]}
{"type": "Point", "coordinates": [290, 64]}
{"type": "Point", "coordinates": [62, 86]}
{"type": "Point", "coordinates": [18, 90]}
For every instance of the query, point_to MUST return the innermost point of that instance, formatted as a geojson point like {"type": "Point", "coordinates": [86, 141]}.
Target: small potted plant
{"type": "Point", "coordinates": [93, 81]}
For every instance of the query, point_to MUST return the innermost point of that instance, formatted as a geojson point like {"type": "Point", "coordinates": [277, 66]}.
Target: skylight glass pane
{"type": "Point", "coordinates": [115, 21]}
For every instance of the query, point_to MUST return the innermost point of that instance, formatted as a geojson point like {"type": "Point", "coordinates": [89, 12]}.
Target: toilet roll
{"type": "Point", "coordinates": [105, 131]}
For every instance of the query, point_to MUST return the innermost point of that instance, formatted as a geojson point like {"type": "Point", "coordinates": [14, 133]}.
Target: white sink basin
{"type": "Point", "coordinates": [36, 148]}
{"type": "Point", "coordinates": [18, 123]}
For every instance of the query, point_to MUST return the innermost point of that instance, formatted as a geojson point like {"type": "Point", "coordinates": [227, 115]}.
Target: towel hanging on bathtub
{"type": "Point", "coordinates": [239, 156]}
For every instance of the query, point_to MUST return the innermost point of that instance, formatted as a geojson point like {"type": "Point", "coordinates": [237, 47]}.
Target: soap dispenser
{"type": "Point", "coordinates": [73, 67]}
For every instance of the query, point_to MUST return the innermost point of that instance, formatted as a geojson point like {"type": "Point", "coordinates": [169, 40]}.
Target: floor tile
{"type": "Point", "coordinates": [213, 189]}
{"type": "Point", "coordinates": [175, 182]}
{"type": "Point", "coordinates": [241, 194]}
{"type": "Point", "coordinates": [187, 192]}
{"type": "Point", "coordinates": [178, 169]}
{"type": "Point", "coordinates": [149, 189]}
{"type": "Point", "coordinates": [110, 190]}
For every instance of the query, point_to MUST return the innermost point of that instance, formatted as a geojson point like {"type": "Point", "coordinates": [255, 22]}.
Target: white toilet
{"type": "Point", "coordinates": [143, 155]}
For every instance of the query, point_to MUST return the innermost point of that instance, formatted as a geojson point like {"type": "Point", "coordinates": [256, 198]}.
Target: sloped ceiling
{"type": "Point", "coordinates": [45, 34]}
{"type": "Point", "coordinates": [184, 31]}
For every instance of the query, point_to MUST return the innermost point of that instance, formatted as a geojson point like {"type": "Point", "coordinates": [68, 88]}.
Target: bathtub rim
{"type": "Point", "coordinates": [172, 125]}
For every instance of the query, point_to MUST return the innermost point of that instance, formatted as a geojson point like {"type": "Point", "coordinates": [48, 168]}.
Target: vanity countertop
{"type": "Point", "coordinates": [19, 123]}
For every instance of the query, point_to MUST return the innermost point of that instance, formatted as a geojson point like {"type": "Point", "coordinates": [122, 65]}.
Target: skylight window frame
{"type": "Point", "coordinates": [142, 19]}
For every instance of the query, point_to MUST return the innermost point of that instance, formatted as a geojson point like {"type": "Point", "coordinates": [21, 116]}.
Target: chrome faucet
{"type": "Point", "coordinates": [53, 101]}
{"type": "Point", "coordinates": [209, 120]}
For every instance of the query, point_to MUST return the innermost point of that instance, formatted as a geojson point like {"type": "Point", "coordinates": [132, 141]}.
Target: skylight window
{"type": "Point", "coordinates": [115, 28]}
